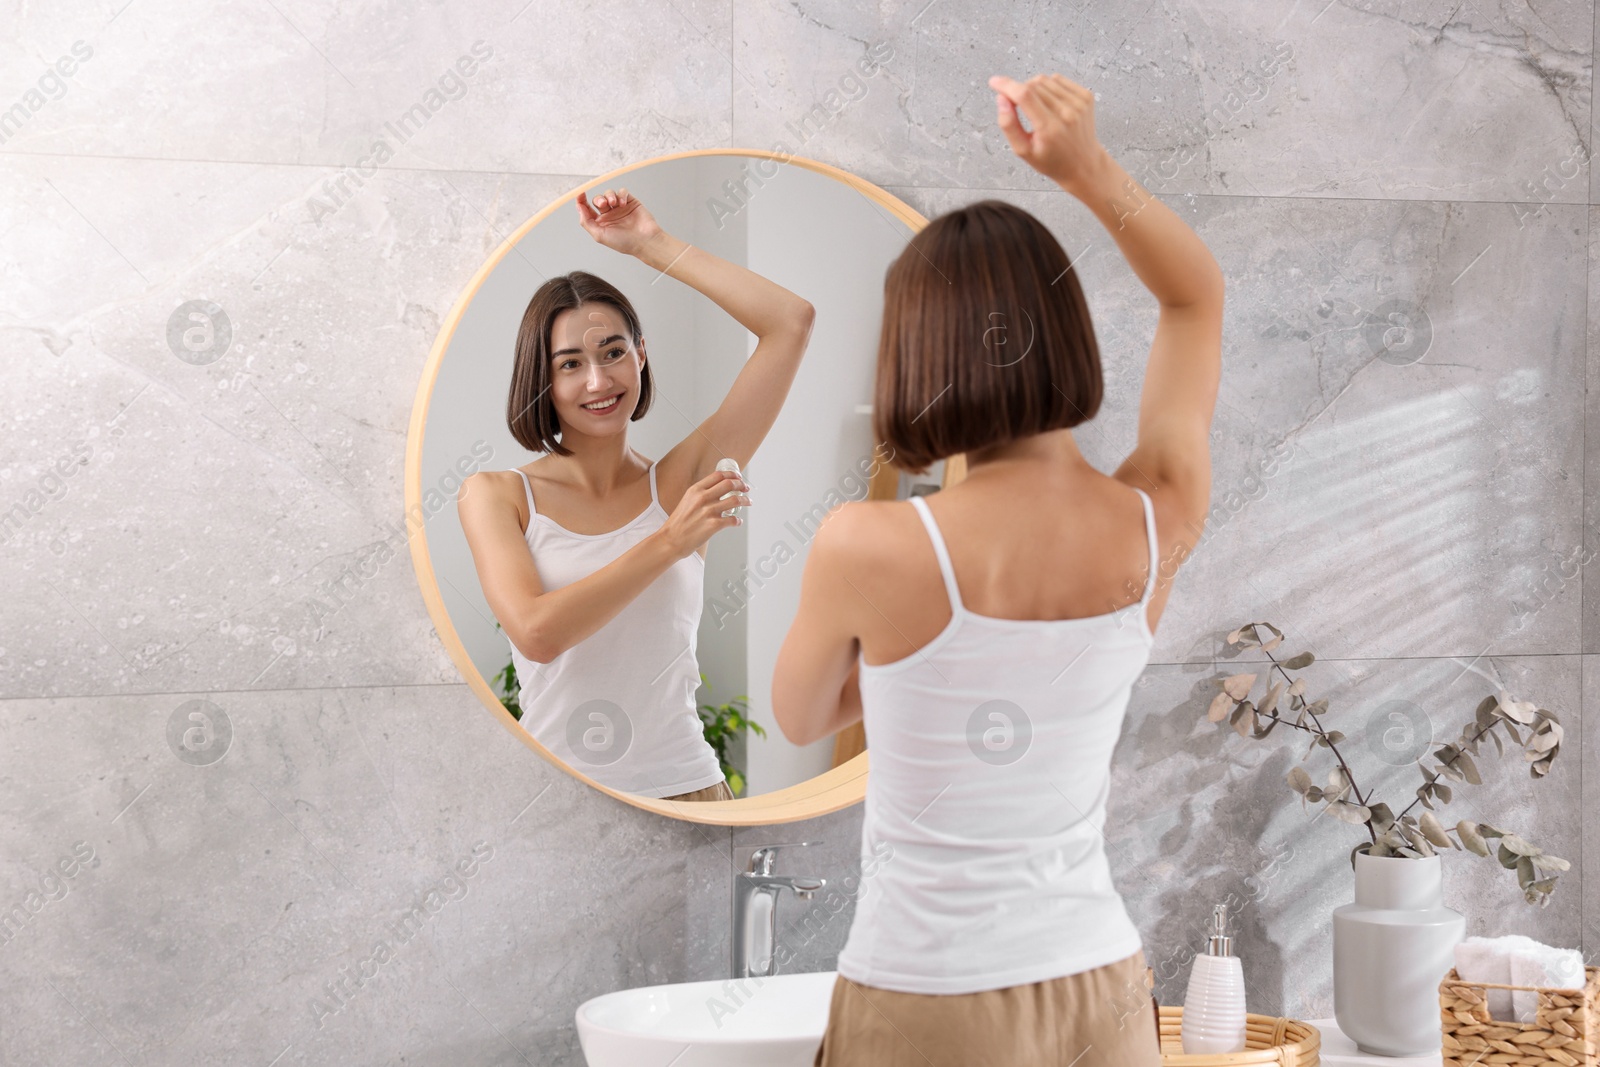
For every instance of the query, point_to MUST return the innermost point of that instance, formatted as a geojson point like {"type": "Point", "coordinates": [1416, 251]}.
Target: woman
{"type": "Point", "coordinates": [989, 635]}
{"type": "Point", "coordinates": [592, 557]}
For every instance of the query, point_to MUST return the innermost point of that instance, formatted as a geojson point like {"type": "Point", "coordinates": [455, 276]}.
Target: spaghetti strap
{"type": "Point", "coordinates": [532, 511]}
{"type": "Point", "coordinates": [1150, 534]}
{"type": "Point", "coordinates": [943, 553]}
{"type": "Point", "coordinates": [653, 498]}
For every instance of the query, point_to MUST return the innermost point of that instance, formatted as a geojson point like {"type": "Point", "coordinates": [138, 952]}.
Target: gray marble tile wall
{"type": "Point", "coordinates": [1411, 175]}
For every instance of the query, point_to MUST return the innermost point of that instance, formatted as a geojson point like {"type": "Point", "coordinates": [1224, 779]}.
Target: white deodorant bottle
{"type": "Point", "coordinates": [730, 465]}
{"type": "Point", "coordinates": [1213, 1006]}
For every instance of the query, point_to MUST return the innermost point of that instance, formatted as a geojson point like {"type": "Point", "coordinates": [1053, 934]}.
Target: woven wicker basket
{"type": "Point", "coordinates": [1565, 1027]}
{"type": "Point", "coordinates": [1268, 1039]}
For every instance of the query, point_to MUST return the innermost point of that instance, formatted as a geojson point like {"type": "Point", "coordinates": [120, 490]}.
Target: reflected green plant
{"type": "Point", "coordinates": [725, 723]}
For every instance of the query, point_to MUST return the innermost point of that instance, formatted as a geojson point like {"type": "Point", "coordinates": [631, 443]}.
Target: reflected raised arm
{"type": "Point", "coordinates": [780, 320]}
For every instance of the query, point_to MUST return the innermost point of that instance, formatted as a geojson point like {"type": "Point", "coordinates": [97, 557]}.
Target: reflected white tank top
{"type": "Point", "coordinates": [982, 853]}
{"type": "Point", "coordinates": [619, 705]}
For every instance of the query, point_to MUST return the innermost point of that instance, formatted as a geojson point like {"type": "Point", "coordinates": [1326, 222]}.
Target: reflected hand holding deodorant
{"type": "Point", "coordinates": [731, 465]}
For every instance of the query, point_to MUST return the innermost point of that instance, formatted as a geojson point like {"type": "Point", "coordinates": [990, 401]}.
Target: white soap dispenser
{"type": "Point", "coordinates": [1213, 1006]}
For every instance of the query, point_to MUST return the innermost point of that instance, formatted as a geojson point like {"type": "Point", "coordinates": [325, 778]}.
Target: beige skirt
{"type": "Point", "coordinates": [720, 791]}
{"type": "Point", "coordinates": [1105, 1017]}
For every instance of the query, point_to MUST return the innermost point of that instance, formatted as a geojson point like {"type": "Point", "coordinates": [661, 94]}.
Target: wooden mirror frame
{"type": "Point", "coordinates": [846, 782]}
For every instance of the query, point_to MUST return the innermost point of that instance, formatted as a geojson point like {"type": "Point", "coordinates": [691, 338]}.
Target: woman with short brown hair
{"type": "Point", "coordinates": [988, 635]}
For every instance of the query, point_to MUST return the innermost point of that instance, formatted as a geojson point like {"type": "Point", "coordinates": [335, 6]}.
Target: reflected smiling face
{"type": "Point", "coordinates": [595, 370]}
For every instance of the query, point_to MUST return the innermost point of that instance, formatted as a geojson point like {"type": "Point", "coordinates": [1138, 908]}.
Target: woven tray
{"type": "Point", "coordinates": [1564, 1031]}
{"type": "Point", "coordinates": [1268, 1039]}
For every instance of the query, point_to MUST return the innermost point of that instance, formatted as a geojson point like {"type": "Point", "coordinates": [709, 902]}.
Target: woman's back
{"type": "Point", "coordinates": [992, 697]}
{"type": "Point", "coordinates": [1022, 547]}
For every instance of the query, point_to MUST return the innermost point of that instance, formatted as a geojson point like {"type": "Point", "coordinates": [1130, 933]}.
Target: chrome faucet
{"type": "Point", "coordinates": [755, 911]}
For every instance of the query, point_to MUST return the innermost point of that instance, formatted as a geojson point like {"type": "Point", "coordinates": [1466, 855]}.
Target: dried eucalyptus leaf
{"type": "Point", "coordinates": [1468, 768]}
{"type": "Point", "coordinates": [1442, 792]}
{"type": "Point", "coordinates": [1299, 780]}
{"type": "Point", "coordinates": [1467, 830]}
{"type": "Point", "coordinates": [1259, 734]}
{"type": "Point", "coordinates": [1334, 737]}
{"type": "Point", "coordinates": [1499, 749]}
{"type": "Point", "coordinates": [1508, 859]}
{"type": "Point", "coordinates": [1318, 707]}
{"type": "Point", "coordinates": [1351, 813]}
{"type": "Point", "coordinates": [1411, 853]}
{"type": "Point", "coordinates": [1337, 779]}
{"type": "Point", "coordinates": [1298, 687]}
{"type": "Point", "coordinates": [1294, 663]}
{"type": "Point", "coordinates": [1524, 871]}
{"type": "Point", "coordinates": [1378, 849]}
{"type": "Point", "coordinates": [1484, 716]}
{"type": "Point", "coordinates": [1433, 829]}
{"type": "Point", "coordinates": [1518, 845]}
{"type": "Point", "coordinates": [1541, 743]}
{"type": "Point", "coordinates": [1382, 817]}
{"type": "Point", "coordinates": [1313, 793]}
{"type": "Point", "coordinates": [1550, 863]}
{"type": "Point", "coordinates": [1268, 646]}
{"type": "Point", "coordinates": [1233, 637]}
{"type": "Point", "coordinates": [1219, 707]}
{"type": "Point", "coordinates": [1518, 711]}
{"type": "Point", "coordinates": [1270, 703]}
{"type": "Point", "coordinates": [1238, 685]}
{"type": "Point", "coordinates": [1245, 724]}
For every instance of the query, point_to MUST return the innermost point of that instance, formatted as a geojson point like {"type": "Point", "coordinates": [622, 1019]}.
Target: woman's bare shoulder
{"type": "Point", "coordinates": [872, 534]}
{"type": "Point", "coordinates": [489, 491]}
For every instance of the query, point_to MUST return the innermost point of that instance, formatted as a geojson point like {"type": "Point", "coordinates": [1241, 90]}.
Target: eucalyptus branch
{"type": "Point", "coordinates": [1345, 767]}
{"type": "Point", "coordinates": [1482, 732]}
{"type": "Point", "coordinates": [1402, 835]}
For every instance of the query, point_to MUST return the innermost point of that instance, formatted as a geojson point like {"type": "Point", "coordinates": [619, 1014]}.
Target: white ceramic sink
{"type": "Point", "coordinates": [732, 1022]}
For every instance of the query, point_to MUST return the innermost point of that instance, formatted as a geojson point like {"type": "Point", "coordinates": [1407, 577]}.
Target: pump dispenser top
{"type": "Point", "coordinates": [1219, 943]}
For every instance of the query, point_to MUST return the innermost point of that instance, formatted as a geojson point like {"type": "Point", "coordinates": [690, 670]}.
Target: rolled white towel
{"type": "Point", "coordinates": [1534, 963]}
{"type": "Point", "coordinates": [1485, 959]}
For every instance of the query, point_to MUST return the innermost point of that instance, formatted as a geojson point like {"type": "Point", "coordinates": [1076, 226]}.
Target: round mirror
{"type": "Point", "coordinates": [656, 735]}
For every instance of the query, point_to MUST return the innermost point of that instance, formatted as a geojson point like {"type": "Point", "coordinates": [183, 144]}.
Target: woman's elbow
{"type": "Point", "coordinates": [805, 315]}
{"type": "Point", "coordinates": [789, 729]}
{"type": "Point", "coordinates": [534, 644]}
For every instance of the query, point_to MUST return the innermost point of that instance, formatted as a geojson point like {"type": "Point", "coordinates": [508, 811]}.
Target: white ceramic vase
{"type": "Point", "coordinates": [1391, 949]}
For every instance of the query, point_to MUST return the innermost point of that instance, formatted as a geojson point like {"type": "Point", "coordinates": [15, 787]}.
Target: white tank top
{"type": "Point", "coordinates": [982, 857]}
{"type": "Point", "coordinates": [619, 705]}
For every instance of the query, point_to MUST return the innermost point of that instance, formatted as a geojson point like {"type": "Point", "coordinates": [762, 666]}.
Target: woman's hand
{"type": "Point", "coordinates": [617, 220]}
{"type": "Point", "coordinates": [699, 514]}
{"type": "Point", "coordinates": [1062, 144]}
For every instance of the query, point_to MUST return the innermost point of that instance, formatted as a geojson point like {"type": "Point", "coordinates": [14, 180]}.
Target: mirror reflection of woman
{"type": "Point", "coordinates": [990, 634]}
{"type": "Point", "coordinates": [592, 557]}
